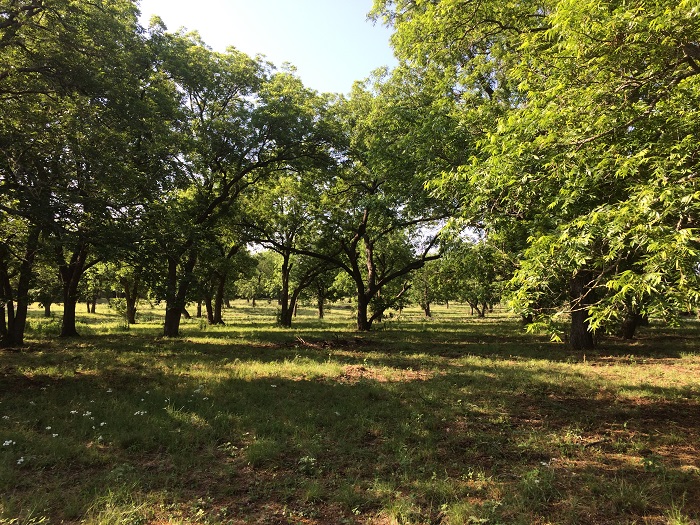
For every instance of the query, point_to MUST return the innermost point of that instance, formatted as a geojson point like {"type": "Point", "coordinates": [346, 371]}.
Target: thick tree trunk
{"type": "Point", "coordinates": [68, 328]}
{"type": "Point", "coordinates": [87, 307]}
{"type": "Point", "coordinates": [176, 294]}
{"type": "Point", "coordinates": [173, 307]}
{"type": "Point", "coordinates": [47, 309]}
{"type": "Point", "coordinates": [630, 323]}
{"type": "Point", "coordinates": [364, 323]}
{"type": "Point", "coordinates": [70, 274]}
{"type": "Point", "coordinates": [171, 327]}
{"type": "Point", "coordinates": [581, 337]}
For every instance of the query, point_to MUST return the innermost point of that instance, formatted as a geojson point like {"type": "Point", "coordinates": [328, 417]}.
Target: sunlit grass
{"type": "Point", "coordinates": [445, 420]}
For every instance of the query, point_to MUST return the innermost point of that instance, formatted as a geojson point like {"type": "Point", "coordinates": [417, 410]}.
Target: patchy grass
{"type": "Point", "coordinates": [450, 420]}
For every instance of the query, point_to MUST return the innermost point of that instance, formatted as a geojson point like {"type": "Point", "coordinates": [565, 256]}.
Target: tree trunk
{"type": "Point", "coordinates": [131, 296]}
{"type": "Point", "coordinates": [581, 337]}
{"type": "Point", "coordinates": [199, 309]}
{"type": "Point", "coordinates": [70, 274]}
{"type": "Point", "coordinates": [47, 309]}
{"type": "Point", "coordinates": [320, 303]}
{"type": "Point", "coordinates": [364, 324]}
{"type": "Point", "coordinates": [286, 313]}
{"type": "Point", "coordinates": [209, 308]}
{"type": "Point", "coordinates": [219, 298]}
{"type": "Point", "coordinates": [87, 306]}
{"type": "Point", "coordinates": [17, 315]}
{"type": "Point", "coordinates": [3, 323]}
{"type": "Point", "coordinates": [171, 328]}
{"type": "Point", "coordinates": [426, 309]}
{"type": "Point", "coordinates": [68, 328]}
{"type": "Point", "coordinates": [176, 294]}
{"type": "Point", "coordinates": [630, 323]}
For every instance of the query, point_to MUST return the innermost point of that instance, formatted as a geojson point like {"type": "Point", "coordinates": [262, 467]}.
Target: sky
{"type": "Point", "coordinates": [329, 42]}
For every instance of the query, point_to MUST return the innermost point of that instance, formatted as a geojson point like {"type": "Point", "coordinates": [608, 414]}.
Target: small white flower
{"type": "Point", "coordinates": [273, 386]}
{"type": "Point", "coordinates": [103, 424]}
{"type": "Point", "coordinates": [109, 390]}
{"type": "Point", "coordinates": [6, 417]}
{"type": "Point", "coordinates": [32, 403]}
{"type": "Point", "coordinates": [9, 443]}
{"type": "Point", "coordinates": [100, 438]}
{"type": "Point", "coordinates": [54, 435]}
{"type": "Point", "coordinates": [73, 411]}
{"type": "Point", "coordinates": [87, 414]}
{"type": "Point", "coordinates": [20, 460]}
{"type": "Point", "coordinates": [48, 428]}
{"type": "Point", "coordinates": [148, 391]}
{"type": "Point", "coordinates": [205, 398]}
{"type": "Point", "coordinates": [140, 413]}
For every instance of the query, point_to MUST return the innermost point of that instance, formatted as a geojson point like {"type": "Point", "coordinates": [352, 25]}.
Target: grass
{"type": "Point", "coordinates": [452, 420]}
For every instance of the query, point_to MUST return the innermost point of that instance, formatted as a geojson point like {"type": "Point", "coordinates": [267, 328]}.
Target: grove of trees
{"type": "Point", "coordinates": [544, 154]}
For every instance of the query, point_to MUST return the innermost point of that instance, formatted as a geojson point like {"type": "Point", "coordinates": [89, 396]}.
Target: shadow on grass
{"type": "Point", "coordinates": [187, 435]}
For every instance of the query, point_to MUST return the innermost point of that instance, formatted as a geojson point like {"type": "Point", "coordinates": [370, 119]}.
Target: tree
{"type": "Point", "coordinates": [280, 216]}
{"type": "Point", "coordinates": [377, 221]}
{"type": "Point", "coordinates": [592, 148]}
{"type": "Point", "coordinates": [76, 129]}
{"type": "Point", "coordinates": [245, 123]}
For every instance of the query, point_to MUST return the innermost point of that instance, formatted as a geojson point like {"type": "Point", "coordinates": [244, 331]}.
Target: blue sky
{"type": "Point", "coordinates": [330, 42]}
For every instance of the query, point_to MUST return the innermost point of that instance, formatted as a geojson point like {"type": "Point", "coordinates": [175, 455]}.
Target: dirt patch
{"type": "Point", "coordinates": [355, 373]}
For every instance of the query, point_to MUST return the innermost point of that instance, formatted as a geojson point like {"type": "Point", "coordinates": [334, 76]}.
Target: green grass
{"type": "Point", "coordinates": [450, 420]}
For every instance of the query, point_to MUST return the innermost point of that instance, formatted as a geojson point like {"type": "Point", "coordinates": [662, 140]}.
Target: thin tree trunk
{"type": "Point", "coordinates": [47, 308]}
{"type": "Point", "coordinates": [17, 315]}
{"type": "Point", "coordinates": [219, 298]}
{"type": "Point", "coordinates": [320, 303]}
{"type": "Point", "coordinates": [199, 309]}
{"type": "Point", "coordinates": [286, 313]}
{"type": "Point", "coordinates": [131, 296]}
{"type": "Point", "coordinates": [3, 323]}
{"type": "Point", "coordinates": [209, 308]}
